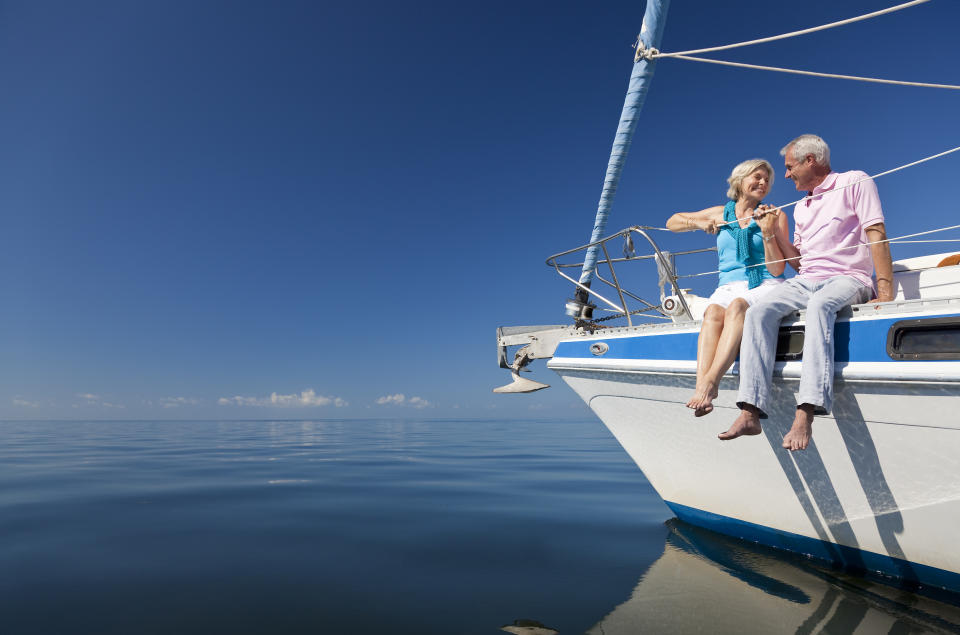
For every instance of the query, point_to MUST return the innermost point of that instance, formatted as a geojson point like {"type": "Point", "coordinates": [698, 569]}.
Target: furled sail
{"type": "Point", "coordinates": [650, 34]}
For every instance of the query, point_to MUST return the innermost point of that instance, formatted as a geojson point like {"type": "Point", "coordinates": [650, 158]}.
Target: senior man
{"type": "Point", "coordinates": [833, 227]}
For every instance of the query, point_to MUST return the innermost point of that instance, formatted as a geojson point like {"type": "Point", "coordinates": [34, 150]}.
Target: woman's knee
{"type": "Point", "coordinates": [737, 308]}
{"type": "Point", "coordinates": [714, 313]}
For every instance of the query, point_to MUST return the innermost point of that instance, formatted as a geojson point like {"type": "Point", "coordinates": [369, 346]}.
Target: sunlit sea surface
{"type": "Point", "coordinates": [385, 526]}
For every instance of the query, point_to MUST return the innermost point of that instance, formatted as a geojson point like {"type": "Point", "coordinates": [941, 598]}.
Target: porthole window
{"type": "Point", "coordinates": [930, 338]}
{"type": "Point", "coordinates": [790, 343]}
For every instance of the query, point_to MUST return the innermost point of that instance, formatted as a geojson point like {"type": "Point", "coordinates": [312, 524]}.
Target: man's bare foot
{"type": "Point", "coordinates": [702, 400]}
{"type": "Point", "coordinates": [748, 423]}
{"type": "Point", "coordinates": [802, 430]}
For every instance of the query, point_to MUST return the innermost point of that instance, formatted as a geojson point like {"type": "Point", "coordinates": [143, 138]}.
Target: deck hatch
{"type": "Point", "coordinates": [789, 343]}
{"type": "Point", "coordinates": [929, 338]}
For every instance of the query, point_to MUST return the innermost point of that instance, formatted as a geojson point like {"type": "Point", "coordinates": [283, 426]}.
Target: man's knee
{"type": "Point", "coordinates": [760, 313]}
{"type": "Point", "coordinates": [826, 306]}
{"type": "Point", "coordinates": [819, 308]}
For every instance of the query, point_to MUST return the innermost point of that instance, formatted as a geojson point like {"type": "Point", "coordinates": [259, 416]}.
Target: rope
{"type": "Point", "coordinates": [651, 53]}
{"type": "Point", "coordinates": [925, 242]}
{"type": "Point", "coordinates": [796, 33]}
{"type": "Point", "coordinates": [866, 178]}
{"type": "Point", "coordinates": [839, 189]}
{"type": "Point", "coordinates": [887, 240]}
{"type": "Point", "coordinates": [794, 71]}
{"type": "Point", "coordinates": [833, 251]}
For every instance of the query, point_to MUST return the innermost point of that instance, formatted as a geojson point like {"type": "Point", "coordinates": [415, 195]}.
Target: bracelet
{"type": "Point", "coordinates": [767, 237]}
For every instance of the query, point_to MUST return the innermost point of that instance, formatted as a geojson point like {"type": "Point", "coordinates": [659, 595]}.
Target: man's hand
{"type": "Point", "coordinates": [766, 217]}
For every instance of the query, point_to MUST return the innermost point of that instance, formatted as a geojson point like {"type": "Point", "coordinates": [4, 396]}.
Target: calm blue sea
{"type": "Point", "coordinates": [383, 526]}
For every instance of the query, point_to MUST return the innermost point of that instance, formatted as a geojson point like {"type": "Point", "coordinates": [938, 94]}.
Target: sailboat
{"type": "Point", "coordinates": [878, 488]}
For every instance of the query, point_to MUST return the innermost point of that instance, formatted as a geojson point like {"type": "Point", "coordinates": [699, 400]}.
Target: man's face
{"type": "Point", "coordinates": [799, 171]}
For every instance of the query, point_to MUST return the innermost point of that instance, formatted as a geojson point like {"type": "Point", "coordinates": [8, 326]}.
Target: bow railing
{"type": "Point", "coordinates": [669, 307]}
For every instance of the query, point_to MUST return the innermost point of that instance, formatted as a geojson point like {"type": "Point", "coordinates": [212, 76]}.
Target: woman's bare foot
{"type": "Point", "coordinates": [801, 431]}
{"type": "Point", "coordinates": [702, 400]}
{"type": "Point", "coordinates": [747, 424]}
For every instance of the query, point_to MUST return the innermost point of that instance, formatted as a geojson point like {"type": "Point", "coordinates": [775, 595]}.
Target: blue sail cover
{"type": "Point", "coordinates": [650, 33]}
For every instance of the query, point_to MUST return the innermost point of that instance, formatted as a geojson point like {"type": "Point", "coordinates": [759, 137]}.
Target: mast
{"type": "Point", "coordinates": [651, 32]}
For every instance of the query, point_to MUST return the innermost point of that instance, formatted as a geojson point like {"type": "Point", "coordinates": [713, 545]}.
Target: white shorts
{"type": "Point", "coordinates": [727, 293]}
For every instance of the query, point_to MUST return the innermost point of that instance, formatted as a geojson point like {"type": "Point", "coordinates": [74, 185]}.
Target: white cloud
{"type": "Point", "coordinates": [306, 399]}
{"type": "Point", "coordinates": [400, 399]}
{"type": "Point", "coordinates": [24, 403]}
{"type": "Point", "coordinates": [90, 399]}
{"type": "Point", "coordinates": [418, 402]}
{"type": "Point", "coordinates": [239, 401]}
{"type": "Point", "coordinates": [175, 402]}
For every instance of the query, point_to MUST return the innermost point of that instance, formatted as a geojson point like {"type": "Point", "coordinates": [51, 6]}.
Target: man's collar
{"type": "Point", "coordinates": [826, 184]}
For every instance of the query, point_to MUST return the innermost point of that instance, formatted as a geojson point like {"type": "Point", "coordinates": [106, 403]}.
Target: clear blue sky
{"type": "Point", "coordinates": [208, 203]}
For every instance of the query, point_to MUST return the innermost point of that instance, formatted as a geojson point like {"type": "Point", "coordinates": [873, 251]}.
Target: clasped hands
{"type": "Point", "coordinates": [766, 217]}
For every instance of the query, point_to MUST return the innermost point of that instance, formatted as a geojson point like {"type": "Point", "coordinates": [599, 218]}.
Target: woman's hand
{"type": "Point", "coordinates": [766, 217]}
{"type": "Point", "coordinates": [707, 220]}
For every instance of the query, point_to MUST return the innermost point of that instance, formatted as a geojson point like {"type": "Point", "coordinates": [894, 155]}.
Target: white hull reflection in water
{"type": "Point", "coordinates": [746, 588]}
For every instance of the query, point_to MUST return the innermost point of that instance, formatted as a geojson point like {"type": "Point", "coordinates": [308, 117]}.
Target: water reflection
{"type": "Point", "coordinates": [705, 582]}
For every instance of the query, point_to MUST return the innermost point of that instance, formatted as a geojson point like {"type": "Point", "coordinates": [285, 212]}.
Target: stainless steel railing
{"type": "Point", "coordinates": [666, 269]}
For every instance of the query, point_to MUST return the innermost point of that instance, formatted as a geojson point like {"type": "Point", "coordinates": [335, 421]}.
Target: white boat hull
{"type": "Point", "coordinates": [878, 489]}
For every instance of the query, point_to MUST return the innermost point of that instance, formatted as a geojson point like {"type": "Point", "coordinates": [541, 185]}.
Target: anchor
{"type": "Point", "coordinates": [521, 384]}
{"type": "Point", "coordinates": [535, 342]}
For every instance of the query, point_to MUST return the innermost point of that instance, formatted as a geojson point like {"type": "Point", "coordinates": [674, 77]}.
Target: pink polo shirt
{"type": "Point", "coordinates": [826, 221]}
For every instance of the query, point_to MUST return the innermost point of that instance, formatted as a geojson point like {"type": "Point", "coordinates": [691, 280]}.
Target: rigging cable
{"type": "Point", "coordinates": [866, 178]}
{"type": "Point", "coordinates": [651, 53]}
{"type": "Point", "coordinates": [794, 71]}
{"type": "Point", "coordinates": [795, 33]}
{"type": "Point", "coordinates": [833, 251]}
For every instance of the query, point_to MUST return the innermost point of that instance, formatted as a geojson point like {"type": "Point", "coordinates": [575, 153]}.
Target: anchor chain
{"type": "Point", "coordinates": [595, 322]}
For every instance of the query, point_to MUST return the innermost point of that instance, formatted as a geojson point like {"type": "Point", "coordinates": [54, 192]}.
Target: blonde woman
{"type": "Point", "coordinates": [746, 239]}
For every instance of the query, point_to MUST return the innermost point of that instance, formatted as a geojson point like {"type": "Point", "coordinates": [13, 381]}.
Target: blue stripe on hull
{"type": "Point", "coordinates": [909, 573]}
{"type": "Point", "coordinates": [858, 341]}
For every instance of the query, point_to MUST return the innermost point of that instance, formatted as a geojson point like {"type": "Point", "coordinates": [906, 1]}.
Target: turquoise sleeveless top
{"type": "Point", "coordinates": [738, 247]}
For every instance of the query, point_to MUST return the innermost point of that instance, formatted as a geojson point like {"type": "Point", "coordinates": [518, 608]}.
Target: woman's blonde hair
{"type": "Point", "coordinates": [742, 171]}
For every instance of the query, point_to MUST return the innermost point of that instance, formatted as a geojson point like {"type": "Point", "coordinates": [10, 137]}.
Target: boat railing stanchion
{"type": "Point", "coordinates": [663, 261]}
{"type": "Point", "coordinates": [613, 274]}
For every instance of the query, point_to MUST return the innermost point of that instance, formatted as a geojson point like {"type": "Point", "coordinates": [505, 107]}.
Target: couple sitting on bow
{"type": "Point", "coordinates": [833, 226]}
